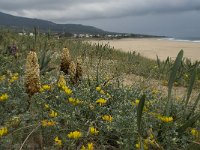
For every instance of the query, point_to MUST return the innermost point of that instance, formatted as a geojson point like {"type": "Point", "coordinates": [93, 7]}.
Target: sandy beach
{"type": "Point", "coordinates": [150, 47]}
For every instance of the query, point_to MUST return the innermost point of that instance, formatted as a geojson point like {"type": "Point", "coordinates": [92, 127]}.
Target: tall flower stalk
{"type": "Point", "coordinates": [32, 74]}
{"type": "Point", "coordinates": [65, 60]}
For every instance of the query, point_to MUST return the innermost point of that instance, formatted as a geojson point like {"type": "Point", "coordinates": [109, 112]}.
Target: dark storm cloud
{"type": "Point", "coordinates": [62, 10]}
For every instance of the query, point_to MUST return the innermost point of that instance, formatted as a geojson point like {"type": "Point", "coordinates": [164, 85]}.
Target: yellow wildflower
{"type": "Point", "coordinates": [108, 118]}
{"type": "Point", "coordinates": [151, 136]}
{"type": "Point", "coordinates": [101, 101]}
{"type": "Point", "coordinates": [57, 141]}
{"type": "Point", "coordinates": [83, 147]}
{"type": "Point", "coordinates": [138, 146]}
{"type": "Point", "coordinates": [78, 102]}
{"type": "Point", "coordinates": [53, 114]}
{"type": "Point", "coordinates": [98, 88]}
{"type": "Point", "coordinates": [165, 119]}
{"type": "Point", "coordinates": [102, 92]}
{"type": "Point", "coordinates": [46, 123]}
{"type": "Point", "coordinates": [155, 92]}
{"type": "Point", "coordinates": [74, 101]}
{"type": "Point", "coordinates": [61, 81]}
{"type": "Point", "coordinates": [195, 132]}
{"type": "Point", "coordinates": [45, 88]}
{"type": "Point", "coordinates": [137, 101]}
{"type": "Point", "coordinates": [46, 106]}
{"type": "Point", "coordinates": [74, 135]}
{"type": "Point", "coordinates": [16, 74]}
{"type": "Point", "coordinates": [90, 146]}
{"type": "Point", "coordinates": [67, 90]}
{"type": "Point", "coordinates": [4, 97]}
{"type": "Point", "coordinates": [93, 131]}
{"type": "Point", "coordinates": [3, 131]}
{"type": "Point", "coordinates": [14, 78]}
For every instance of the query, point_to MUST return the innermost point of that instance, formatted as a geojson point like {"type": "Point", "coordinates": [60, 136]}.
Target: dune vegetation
{"type": "Point", "coordinates": [68, 94]}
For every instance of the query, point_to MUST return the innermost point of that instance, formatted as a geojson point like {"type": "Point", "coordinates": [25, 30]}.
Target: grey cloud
{"type": "Point", "coordinates": [178, 18]}
{"type": "Point", "coordinates": [179, 25]}
{"type": "Point", "coordinates": [62, 10]}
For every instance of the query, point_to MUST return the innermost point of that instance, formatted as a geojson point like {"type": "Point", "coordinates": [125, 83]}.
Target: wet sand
{"type": "Point", "coordinates": [150, 47]}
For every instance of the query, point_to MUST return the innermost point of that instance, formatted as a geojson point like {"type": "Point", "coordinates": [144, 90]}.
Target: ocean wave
{"type": "Point", "coordinates": [180, 40]}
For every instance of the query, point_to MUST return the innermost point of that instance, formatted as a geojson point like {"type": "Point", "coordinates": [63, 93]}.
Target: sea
{"type": "Point", "coordinates": [183, 39]}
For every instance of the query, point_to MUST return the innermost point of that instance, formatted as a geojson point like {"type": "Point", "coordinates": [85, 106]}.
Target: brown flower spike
{"type": "Point", "coordinates": [32, 74]}
{"type": "Point", "coordinates": [72, 72]}
{"type": "Point", "coordinates": [79, 71]}
{"type": "Point", "coordinates": [65, 61]}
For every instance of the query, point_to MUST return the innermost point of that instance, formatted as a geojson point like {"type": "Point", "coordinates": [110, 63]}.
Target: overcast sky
{"type": "Point", "coordinates": [179, 18]}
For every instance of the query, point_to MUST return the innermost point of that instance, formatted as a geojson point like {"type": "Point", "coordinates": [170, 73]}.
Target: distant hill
{"type": "Point", "coordinates": [28, 23]}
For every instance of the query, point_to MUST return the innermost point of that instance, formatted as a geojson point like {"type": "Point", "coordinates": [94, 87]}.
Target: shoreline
{"type": "Point", "coordinates": [152, 47]}
{"type": "Point", "coordinates": [180, 40]}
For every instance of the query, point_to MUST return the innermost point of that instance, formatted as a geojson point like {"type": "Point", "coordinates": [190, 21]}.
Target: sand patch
{"type": "Point", "coordinates": [150, 47]}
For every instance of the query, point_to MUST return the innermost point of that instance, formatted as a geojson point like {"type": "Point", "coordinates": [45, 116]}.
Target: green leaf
{"type": "Point", "coordinates": [158, 62]}
{"type": "Point", "coordinates": [139, 113]}
{"type": "Point", "coordinates": [172, 79]}
{"type": "Point", "coordinates": [191, 84]}
{"type": "Point", "coordinates": [165, 64]}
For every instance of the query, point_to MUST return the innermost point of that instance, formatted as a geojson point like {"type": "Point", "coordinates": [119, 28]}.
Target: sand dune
{"type": "Point", "coordinates": [150, 47]}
